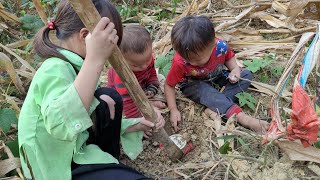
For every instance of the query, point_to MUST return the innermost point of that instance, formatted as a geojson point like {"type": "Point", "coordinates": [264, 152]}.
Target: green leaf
{"type": "Point", "coordinates": [29, 46]}
{"type": "Point", "coordinates": [257, 64]}
{"type": "Point", "coordinates": [160, 61]}
{"type": "Point", "coordinates": [264, 78]}
{"type": "Point", "coordinates": [245, 146]}
{"type": "Point", "coordinates": [14, 147]}
{"type": "Point", "coordinates": [31, 23]}
{"type": "Point", "coordinates": [164, 63]}
{"type": "Point", "coordinates": [23, 12]}
{"type": "Point", "coordinates": [269, 57]}
{"type": "Point", "coordinates": [246, 99]}
{"type": "Point", "coordinates": [225, 148]}
{"type": "Point", "coordinates": [317, 144]}
{"type": "Point", "coordinates": [227, 137]}
{"type": "Point", "coordinates": [166, 69]}
{"type": "Point", "coordinates": [254, 65]}
{"type": "Point", "coordinates": [277, 71]}
{"type": "Point", "coordinates": [8, 117]}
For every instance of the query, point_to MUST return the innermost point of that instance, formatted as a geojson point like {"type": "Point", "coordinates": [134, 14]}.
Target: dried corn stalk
{"type": "Point", "coordinates": [6, 64]}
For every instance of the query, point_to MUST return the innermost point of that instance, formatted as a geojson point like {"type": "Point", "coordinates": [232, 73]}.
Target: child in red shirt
{"type": "Point", "coordinates": [199, 68]}
{"type": "Point", "coordinates": [136, 47]}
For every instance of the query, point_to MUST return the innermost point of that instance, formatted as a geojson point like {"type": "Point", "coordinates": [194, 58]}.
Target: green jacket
{"type": "Point", "coordinates": [53, 123]}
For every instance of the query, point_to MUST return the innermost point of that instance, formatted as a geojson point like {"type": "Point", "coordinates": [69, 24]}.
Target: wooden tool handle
{"type": "Point", "coordinates": [90, 17]}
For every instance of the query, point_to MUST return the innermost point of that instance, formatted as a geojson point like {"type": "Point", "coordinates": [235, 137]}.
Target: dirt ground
{"type": "Point", "coordinates": [205, 155]}
{"type": "Point", "coordinates": [249, 159]}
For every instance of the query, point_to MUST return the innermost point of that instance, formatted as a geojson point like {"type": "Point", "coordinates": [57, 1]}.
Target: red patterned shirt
{"type": "Point", "coordinates": [181, 70]}
{"type": "Point", "coordinates": [148, 81]}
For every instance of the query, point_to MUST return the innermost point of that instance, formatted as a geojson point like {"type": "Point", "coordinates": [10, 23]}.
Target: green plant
{"type": "Point", "coordinates": [14, 147]}
{"type": "Point", "coordinates": [174, 5]}
{"type": "Point", "coordinates": [225, 148]}
{"type": "Point", "coordinates": [48, 2]}
{"type": "Point", "coordinates": [26, 3]}
{"type": "Point", "coordinates": [163, 62]}
{"type": "Point", "coordinates": [8, 117]}
{"type": "Point", "coordinates": [257, 64]}
{"type": "Point", "coordinates": [31, 23]}
{"type": "Point", "coordinates": [277, 71]}
{"type": "Point", "coordinates": [164, 14]}
{"type": "Point", "coordinates": [246, 99]}
{"type": "Point", "coordinates": [267, 67]}
{"type": "Point", "coordinates": [126, 11]}
{"type": "Point", "coordinates": [317, 144]}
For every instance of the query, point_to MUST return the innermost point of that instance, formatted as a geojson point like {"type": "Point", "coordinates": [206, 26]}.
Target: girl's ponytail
{"type": "Point", "coordinates": [43, 45]}
{"type": "Point", "coordinates": [67, 23]}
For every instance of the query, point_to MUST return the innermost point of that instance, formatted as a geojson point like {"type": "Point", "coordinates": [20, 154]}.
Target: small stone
{"type": "Point", "coordinates": [194, 137]}
{"type": "Point", "coordinates": [185, 135]}
{"type": "Point", "coordinates": [146, 143]}
{"type": "Point", "coordinates": [158, 151]}
{"type": "Point", "coordinates": [141, 157]}
{"type": "Point", "coordinates": [282, 176]}
{"type": "Point", "coordinates": [301, 172]}
{"type": "Point", "coordinates": [155, 144]}
{"type": "Point", "coordinates": [205, 156]}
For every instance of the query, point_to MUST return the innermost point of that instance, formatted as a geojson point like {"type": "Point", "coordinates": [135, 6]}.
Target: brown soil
{"type": "Point", "coordinates": [195, 165]}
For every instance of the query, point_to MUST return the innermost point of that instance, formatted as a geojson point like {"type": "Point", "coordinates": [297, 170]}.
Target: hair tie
{"type": "Point", "coordinates": [51, 25]}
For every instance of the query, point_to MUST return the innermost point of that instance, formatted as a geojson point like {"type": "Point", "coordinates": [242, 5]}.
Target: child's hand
{"type": "Point", "coordinates": [144, 125]}
{"type": "Point", "coordinates": [101, 42]}
{"type": "Point", "coordinates": [158, 104]}
{"type": "Point", "coordinates": [148, 125]}
{"type": "Point", "coordinates": [175, 118]}
{"type": "Point", "coordinates": [234, 75]}
{"type": "Point", "coordinates": [160, 121]}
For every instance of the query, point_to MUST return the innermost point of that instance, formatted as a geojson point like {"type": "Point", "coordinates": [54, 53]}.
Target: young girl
{"type": "Point", "coordinates": [198, 67]}
{"type": "Point", "coordinates": [53, 136]}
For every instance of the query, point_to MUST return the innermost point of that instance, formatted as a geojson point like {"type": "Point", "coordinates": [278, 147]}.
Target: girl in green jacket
{"type": "Point", "coordinates": [57, 137]}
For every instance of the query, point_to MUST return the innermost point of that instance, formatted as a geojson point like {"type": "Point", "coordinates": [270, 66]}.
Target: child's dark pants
{"type": "Point", "coordinates": [204, 92]}
{"type": "Point", "coordinates": [105, 131]}
{"type": "Point", "coordinates": [106, 135]}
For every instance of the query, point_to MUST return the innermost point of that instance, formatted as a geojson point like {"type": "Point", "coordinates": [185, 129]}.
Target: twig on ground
{"type": "Point", "coordinates": [244, 158]}
{"type": "Point", "coordinates": [215, 144]}
{"type": "Point", "coordinates": [211, 169]}
{"type": "Point", "coordinates": [238, 24]}
{"type": "Point", "coordinates": [10, 156]}
{"type": "Point", "coordinates": [199, 171]}
{"type": "Point", "coordinates": [181, 174]}
{"type": "Point", "coordinates": [258, 105]}
{"type": "Point", "coordinates": [210, 146]}
{"type": "Point", "coordinates": [226, 177]}
{"type": "Point", "coordinates": [240, 6]}
{"type": "Point", "coordinates": [232, 174]}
